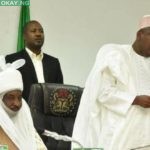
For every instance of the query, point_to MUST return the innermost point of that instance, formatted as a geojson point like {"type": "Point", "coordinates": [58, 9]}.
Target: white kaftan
{"type": "Point", "coordinates": [106, 117]}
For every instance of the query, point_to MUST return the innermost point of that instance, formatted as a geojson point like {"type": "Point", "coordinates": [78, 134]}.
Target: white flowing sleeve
{"type": "Point", "coordinates": [115, 85]}
{"type": "Point", "coordinates": [114, 95]}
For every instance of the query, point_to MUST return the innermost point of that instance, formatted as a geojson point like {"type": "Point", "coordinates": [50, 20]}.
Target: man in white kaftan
{"type": "Point", "coordinates": [114, 111]}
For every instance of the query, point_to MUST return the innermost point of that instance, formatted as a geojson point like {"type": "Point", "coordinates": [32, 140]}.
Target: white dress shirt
{"type": "Point", "coordinates": [37, 62]}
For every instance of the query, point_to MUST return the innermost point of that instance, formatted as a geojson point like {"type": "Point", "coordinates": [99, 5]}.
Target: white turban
{"type": "Point", "coordinates": [10, 78]}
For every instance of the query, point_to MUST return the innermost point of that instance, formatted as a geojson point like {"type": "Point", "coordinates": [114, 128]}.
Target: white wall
{"type": "Point", "coordinates": [76, 29]}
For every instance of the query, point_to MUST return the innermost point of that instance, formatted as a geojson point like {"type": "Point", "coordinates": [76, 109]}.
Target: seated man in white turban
{"type": "Point", "coordinates": [16, 125]}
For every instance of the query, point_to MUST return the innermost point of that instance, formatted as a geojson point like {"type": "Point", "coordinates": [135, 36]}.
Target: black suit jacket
{"type": "Point", "coordinates": [51, 68]}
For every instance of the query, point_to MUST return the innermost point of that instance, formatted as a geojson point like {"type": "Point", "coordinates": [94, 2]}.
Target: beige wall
{"type": "Point", "coordinates": [76, 29]}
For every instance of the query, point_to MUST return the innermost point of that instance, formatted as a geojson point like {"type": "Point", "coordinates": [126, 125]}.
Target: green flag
{"type": "Point", "coordinates": [24, 18]}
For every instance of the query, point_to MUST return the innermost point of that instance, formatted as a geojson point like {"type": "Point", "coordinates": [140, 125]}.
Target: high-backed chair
{"type": "Point", "coordinates": [54, 108]}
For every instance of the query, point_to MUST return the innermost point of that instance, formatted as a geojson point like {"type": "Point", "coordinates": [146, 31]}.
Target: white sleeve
{"type": "Point", "coordinates": [114, 95]}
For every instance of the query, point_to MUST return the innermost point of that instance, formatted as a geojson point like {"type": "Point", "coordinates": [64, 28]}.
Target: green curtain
{"type": "Point", "coordinates": [24, 18]}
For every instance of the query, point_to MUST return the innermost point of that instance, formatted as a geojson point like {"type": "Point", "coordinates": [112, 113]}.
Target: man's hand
{"type": "Point", "coordinates": [142, 100]}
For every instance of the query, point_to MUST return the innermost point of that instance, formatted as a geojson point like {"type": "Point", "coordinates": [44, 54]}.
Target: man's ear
{"type": "Point", "coordinates": [139, 34]}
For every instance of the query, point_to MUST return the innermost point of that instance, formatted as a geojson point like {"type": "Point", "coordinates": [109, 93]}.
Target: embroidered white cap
{"type": "Point", "coordinates": [144, 22]}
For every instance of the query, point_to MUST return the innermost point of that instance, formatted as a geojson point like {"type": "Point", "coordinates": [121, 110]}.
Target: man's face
{"type": "Point", "coordinates": [34, 36]}
{"type": "Point", "coordinates": [144, 42]}
{"type": "Point", "coordinates": [13, 100]}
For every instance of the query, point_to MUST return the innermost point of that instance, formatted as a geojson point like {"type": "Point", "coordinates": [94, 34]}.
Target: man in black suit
{"type": "Point", "coordinates": [39, 67]}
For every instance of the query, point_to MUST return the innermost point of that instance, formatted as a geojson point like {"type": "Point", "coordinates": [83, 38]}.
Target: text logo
{"type": "Point", "coordinates": [14, 2]}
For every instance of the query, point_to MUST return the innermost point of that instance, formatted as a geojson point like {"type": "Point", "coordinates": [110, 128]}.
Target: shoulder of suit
{"type": "Point", "coordinates": [50, 57]}
{"type": "Point", "coordinates": [14, 56]}
{"type": "Point", "coordinates": [16, 53]}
